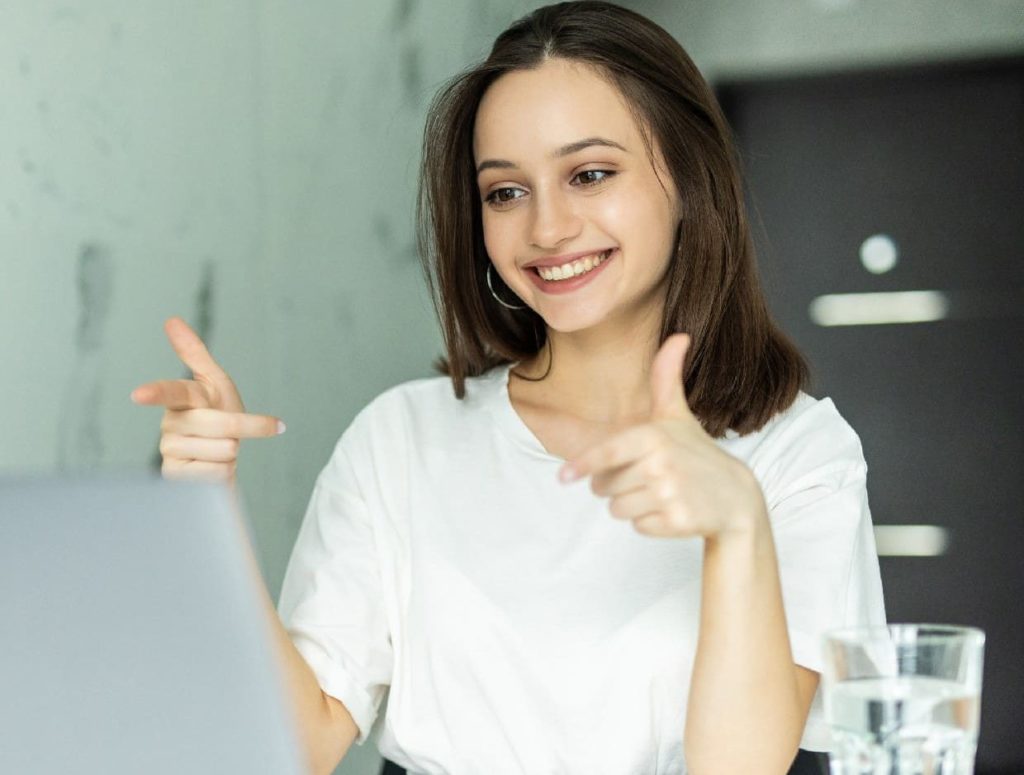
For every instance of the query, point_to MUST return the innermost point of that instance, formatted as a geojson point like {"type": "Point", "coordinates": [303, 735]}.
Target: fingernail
{"type": "Point", "coordinates": [281, 427]}
{"type": "Point", "coordinates": [567, 474]}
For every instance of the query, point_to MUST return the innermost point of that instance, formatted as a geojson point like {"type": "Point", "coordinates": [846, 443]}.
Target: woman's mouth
{"type": "Point", "coordinates": [571, 275]}
{"type": "Point", "coordinates": [573, 268]}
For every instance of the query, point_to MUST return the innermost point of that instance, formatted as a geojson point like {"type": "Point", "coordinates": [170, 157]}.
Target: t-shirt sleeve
{"type": "Point", "coordinates": [814, 477]}
{"type": "Point", "coordinates": [332, 602]}
{"type": "Point", "coordinates": [821, 523]}
{"type": "Point", "coordinates": [827, 561]}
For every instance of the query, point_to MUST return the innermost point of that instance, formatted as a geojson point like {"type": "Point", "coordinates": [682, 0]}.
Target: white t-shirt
{"type": "Point", "coordinates": [520, 627]}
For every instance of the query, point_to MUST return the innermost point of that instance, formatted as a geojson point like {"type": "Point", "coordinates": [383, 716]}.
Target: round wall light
{"type": "Point", "coordinates": [879, 253]}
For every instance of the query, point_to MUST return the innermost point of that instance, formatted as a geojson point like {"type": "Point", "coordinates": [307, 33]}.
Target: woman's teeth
{"type": "Point", "coordinates": [573, 268]}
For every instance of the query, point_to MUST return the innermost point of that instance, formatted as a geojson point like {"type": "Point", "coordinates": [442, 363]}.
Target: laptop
{"type": "Point", "coordinates": [132, 637]}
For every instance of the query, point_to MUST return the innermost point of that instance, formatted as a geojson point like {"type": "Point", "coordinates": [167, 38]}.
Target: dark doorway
{"type": "Point", "coordinates": [930, 161]}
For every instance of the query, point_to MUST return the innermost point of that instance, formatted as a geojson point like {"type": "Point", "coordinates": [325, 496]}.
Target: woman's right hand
{"type": "Point", "coordinates": [204, 418]}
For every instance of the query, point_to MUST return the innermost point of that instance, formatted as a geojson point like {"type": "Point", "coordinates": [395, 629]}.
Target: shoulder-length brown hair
{"type": "Point", "coordinates": [741, 369]}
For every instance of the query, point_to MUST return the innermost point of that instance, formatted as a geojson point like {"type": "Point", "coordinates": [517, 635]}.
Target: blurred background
{"type": "Point", "coordinates": [251, 166]}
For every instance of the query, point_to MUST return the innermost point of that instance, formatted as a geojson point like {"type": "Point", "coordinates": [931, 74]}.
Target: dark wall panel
{"type": "Point", "coordinates": [933, 157]}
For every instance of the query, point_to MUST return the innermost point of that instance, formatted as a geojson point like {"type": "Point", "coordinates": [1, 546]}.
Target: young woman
{"type": "Point", "coordinates": [609, 540]}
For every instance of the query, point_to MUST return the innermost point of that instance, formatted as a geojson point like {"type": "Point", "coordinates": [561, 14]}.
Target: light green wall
{"type": "Point", "coordinates": [260, 154]}
{"type": "Point", "coordinates": [266, 151]}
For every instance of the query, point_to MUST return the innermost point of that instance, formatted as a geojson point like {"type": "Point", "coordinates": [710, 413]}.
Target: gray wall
{"type": "Point", "coordinates": [251, 166]}
{"type": "Point", "coordinates": [739, 38]}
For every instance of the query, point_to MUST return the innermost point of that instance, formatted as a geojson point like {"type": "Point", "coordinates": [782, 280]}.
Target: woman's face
{"type": "Point", "coordinates": [566, 186]}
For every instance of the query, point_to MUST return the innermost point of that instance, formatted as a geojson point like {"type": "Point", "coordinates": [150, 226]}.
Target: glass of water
{"type": "Point", "coordinates": [904, 699]}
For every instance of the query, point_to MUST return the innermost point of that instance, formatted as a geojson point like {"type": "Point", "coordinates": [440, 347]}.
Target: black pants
{"type": "Point", "coordinates": [806, 763]}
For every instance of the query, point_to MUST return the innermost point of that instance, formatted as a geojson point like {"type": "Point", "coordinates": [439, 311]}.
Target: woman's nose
{"type": "Point", "coordinates": [553, 220]}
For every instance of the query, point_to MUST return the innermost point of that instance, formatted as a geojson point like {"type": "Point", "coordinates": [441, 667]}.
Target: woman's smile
{"type": "Point", "coordinates": [571, 275]}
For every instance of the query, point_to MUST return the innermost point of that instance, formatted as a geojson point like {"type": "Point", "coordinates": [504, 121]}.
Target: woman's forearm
{"type": "Point", "coordinates": [325, 728]}
{"type": "Point", "coordinates": [744, 712]}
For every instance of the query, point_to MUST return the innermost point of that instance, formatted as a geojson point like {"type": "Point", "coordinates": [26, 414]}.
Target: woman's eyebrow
{"type": "Point", "coordinates": [579, 145]}
{"type": "Point", "coordinates": [565, 150]}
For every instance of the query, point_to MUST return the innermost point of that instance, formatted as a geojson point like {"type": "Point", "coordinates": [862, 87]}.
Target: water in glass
{"type": "Point", "coordinates": [904, 725]}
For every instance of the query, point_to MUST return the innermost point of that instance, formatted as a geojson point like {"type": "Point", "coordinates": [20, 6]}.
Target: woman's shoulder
{"type": "Point", "coordinates": [810, 439]}
{"type": "Point", "coordinates": [425, 404]}
{"type": "Point", "coordinates": [409, 417]}
{"type": "Point", "coordinates": [430, 394]}
{"type": "Point", "coordinates": [808, 420]}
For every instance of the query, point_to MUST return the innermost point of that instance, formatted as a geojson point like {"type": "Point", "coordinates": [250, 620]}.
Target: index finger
{"type": "Point", "coordinates": [619, 450]}
{"type": "Point", "coordinates": [172, 394]}
{"type": "Point", "coordinates": [218, 424]}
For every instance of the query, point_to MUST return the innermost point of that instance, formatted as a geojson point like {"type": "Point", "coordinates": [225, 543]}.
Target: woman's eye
{"type": "Point", "coordinates": [505, 195]}
{"type": "Point", "coordinates": [590, 177]}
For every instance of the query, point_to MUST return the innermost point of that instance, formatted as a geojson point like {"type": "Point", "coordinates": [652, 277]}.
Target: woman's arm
{"type": "Point", "coordinates": [325, 727]}
{"type": "Point", "coordinates": [748, 702]}
{"type": "Point", "coordinates": [203, 423]}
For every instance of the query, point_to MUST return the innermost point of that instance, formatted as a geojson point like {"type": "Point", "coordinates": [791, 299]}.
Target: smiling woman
{"type": "Point", "coordinates": [610, 538]}
{"type": "Point", "coordinates": [602, 120]}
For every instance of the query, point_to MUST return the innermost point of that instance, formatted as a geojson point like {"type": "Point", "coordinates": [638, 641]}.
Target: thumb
{"type": "Point", "coordinates": [205, 370]}
{"type": "Point", "coordinates": [668, 398]}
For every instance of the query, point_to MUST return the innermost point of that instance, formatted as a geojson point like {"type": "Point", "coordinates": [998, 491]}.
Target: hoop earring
{"type": "Point", "coordinates": [491, 289]}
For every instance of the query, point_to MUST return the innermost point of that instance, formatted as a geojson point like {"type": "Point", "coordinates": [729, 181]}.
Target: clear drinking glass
{"type": "Point", "coordinates": [903, 699]}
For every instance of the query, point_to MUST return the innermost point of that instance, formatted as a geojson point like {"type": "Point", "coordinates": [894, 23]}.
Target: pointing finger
{"type": "Point", "coordinates": [619, 450]}
{"type": "Point", "coordinates": [215, 424]}
{"type": "Point", "coordinates": [616, 481]}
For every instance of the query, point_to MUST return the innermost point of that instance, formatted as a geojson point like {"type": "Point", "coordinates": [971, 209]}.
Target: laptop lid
{"type": "Point", "coordinates": [132, 637]}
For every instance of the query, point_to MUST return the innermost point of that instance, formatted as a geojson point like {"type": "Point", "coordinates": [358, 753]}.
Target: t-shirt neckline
{"type": "Point", "coordinates": [508, 419]}
{"type": "Point", "coordinates": [515, 428]}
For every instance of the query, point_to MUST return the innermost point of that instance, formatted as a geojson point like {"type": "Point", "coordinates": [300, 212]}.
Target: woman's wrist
{"type": "Point", "coordinates": [748, 521]}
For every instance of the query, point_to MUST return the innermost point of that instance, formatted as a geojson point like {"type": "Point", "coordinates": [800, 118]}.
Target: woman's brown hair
{"type": "Point", "coordinates": [741, 369]}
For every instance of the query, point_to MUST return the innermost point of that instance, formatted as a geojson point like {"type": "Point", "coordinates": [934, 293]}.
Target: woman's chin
{"type": "Point", "coordinates": [573, 321]}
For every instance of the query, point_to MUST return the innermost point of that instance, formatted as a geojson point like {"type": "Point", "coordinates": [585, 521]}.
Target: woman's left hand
{"type": "Point", "coordinates": [667, 475]}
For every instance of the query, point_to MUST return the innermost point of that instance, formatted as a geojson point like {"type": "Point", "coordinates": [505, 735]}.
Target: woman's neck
{"type": "Point", "coordinates": [599, 375]}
